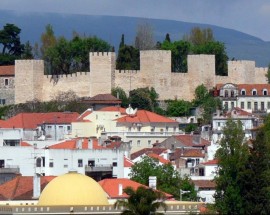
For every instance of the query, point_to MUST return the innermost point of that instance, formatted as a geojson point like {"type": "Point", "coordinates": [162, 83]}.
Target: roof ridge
{"type": "Point", "coordinates": [17, 179]}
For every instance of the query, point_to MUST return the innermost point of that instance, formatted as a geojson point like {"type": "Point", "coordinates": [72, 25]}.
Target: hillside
{"type": "Point", "coordinates": [239, 45]}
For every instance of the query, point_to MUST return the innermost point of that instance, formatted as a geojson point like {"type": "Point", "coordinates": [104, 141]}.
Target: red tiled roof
{"type": "Point", "coordinates": [157, 151]}
{"type": "Point", "coordinates": [32, 120]}
{"type": "Point", "coordinates": [127, 162]}
{"type": "Point", "coordinates": [103, 99]}
{"type": "Point", "coordinates": [25, 144]}
{"type": "Point", "coordinates": [21, 187]}
{"type": "Point", "coordinates": [83, 115]}
{"type": "Point", "coordinates": [111, 187]}
{"type": "Point", "coordinates": [249, 88]}
{"type": "Point", "coordinates": [188, 152]}
{"type": "Point", "coordinates": [188, 140]}
{"type": "Point", "coordinates": [114, 109]}
{"type": "Point", "coordinates": [72, 144]}
{"type": "Point", "coordinates": [204, 183]}
{"type": "Point", "coordinates": [238, 111]}
{"type": "Point", "coordinates": [161, 159]}
{"type": "Point", "coordinates": [7, 70]}
{"type": "Point", "coordinates": [210, 162]}
{"type": "Point", "coordinates": [144, 116]}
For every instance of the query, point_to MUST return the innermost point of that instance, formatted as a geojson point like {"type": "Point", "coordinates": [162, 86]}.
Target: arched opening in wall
{"type": "Point", "coordinates": [226, 93]}
{"type": "Point", "coordinates": [254, 92]}
{"type": "Point", "coordinates": [232, 93]}
{"type": "Point", "coordinates": [243, 92]}
{"type": "Point", "coordinates": [265, 92]}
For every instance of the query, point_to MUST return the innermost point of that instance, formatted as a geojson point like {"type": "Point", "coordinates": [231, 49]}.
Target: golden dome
{"type": "Point", "coordinates": [73, 189]}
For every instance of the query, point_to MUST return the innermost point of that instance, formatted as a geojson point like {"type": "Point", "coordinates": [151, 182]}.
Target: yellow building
{"type": "Point", "coordinates": [139, 127]}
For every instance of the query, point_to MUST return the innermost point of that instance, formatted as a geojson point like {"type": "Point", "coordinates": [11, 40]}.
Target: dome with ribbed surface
{"type": "Point", "coordinates": [73, 189]}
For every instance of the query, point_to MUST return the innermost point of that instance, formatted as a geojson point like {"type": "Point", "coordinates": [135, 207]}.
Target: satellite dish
{"type": "Point", "coordinates": [129, 110]}
{"type": "Point", "coordinates": [134, 111]}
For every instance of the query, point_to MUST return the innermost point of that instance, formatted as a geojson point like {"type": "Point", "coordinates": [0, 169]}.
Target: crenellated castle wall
{"type": "Point", "coordinates": [155, 71]}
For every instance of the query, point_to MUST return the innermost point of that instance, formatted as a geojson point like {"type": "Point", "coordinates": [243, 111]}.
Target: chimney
{"type": "Point", "coordinates": [36, 186]}
{"type": "Point", "coordinates": [120, 189]}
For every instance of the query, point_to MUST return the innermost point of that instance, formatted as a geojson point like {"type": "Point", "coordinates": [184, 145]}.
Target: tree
{"type": "Point", "coordinates": [201, 95]}
{"type": "Point", "coordinates": [168, 179]}
{"type": "Point", "coordinates": [167, 38]}
{"type": "Point", "coordinates": [11, 45]}
{"type": "Point", "coordinates": [256, 176]}
{"type": "Point", "coordinates": [118, 92]}
{"type": "Point", "coordinates": [200, 36]}
{"type": "Point", "coordinates": [128, 58]}
{"type": "Point", "coordinates": [232, 158]}
{"type": "Point", "coordinates": [27, 53]}
{"type": "Point", "coordinates": [267, 75]}
{"type": "Point", "coordinates": [144, 39]}
{"type": "Point", "coordinates": [178, 108]}
{"type": "Point", "coordinates": [143, 201]}
{"type": "Point", "coordinates": [48, 40]}
{"type": "Point", "coordinates": [144, 98]}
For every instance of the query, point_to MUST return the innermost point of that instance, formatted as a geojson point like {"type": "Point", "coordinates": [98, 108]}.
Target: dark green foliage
{"type": "Point", "coordinates": [118, 92]}
{"type": "Point", "coordinates": [28, 51]}
{"type": "Point", "coordinates": [144, 98]}
{"type": "Point", "coordinates": [217, 49]}
{"type": "Point", "coordinates": [11, 45]}
{"type": "Point", "coordinates": [232, 158]}
{"type": "Point", "coordinates": [178, 108]}
{"type": "Point", "coordinates": [128, 58]}
{"type": "Point", "coordinates": [180, 50]}
{"type": "Point", "coordinates": [256, 189]}
{"type": "Point", "coordinates": [168, 179]}
{"type": "Point", "coordinates": [65, 57]}
{"type": "Point", "coordinates": [200, 36]}
{"type": "Point", "coordinates": [167, 38]}
{"type": "Point", "coordinates": [143, 201]}
{"type": "Point", "coordinates": [267, 75]}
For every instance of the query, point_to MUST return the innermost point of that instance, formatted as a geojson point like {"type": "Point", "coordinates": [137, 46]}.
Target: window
{"type": "Point", "coordinates": [6, 81]}
{"type": "Point", "coordinates": [91, 163]}
{"type": "Point", "coordinates": [129, 128]}
{"type": "Point", "coordinates": [51, 164]}
{"type": "Point", "coordinates": [80, 163]}
{"type": "Point", "coordinates": [232, 93]}
{"type": "Point", "coordinates": [226, 106]}
{"type": "Point", "coordinates": [153, 129]}
{"type": "Point", "coordinates": [268, 105]}
{"type": "Point", "coordinates": [149, 142]}
{"type": "Point", "coordinates": [242, 105]}
{"type": "Point", "coordinates": [243, 92]}
{"type": "Point", "coordinates": [249, 105]}
{"type": "Point", "coordinates": [38, 162]}
{"type": "Point", "coordinates": [167, 128]}
{"type": "Point", "coordinates": [262, 106]}
{"type": "Point", "coordinates": [68, 127]}
{"type": "Point", "coordinates": [232, 105]}
{"type": "Point", "coordinates": [254, 92]}
{"type": "Point", "coordinates": [265, 93]}
{"type": "Point", "coordinates": [130, 142]}
{"type": "Point", "coordinates": [114, 163]}
{"type": "Point", "coordinates": [226, 93]}
{"type": "Point", "coordinates": [138, 143]}
{"type": "Point", "coordinates": [2, 101]}
{"type": "Point", "coordinates": [255, 105]}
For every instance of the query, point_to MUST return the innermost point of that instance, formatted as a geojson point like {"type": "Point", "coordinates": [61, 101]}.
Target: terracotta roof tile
{"type": "Point", "coordinates": [114, 109]}
{"type": "Point", "coordinates": [83, 115]}
{"type": "Point", "coordinates": [127, 162]}
{"type": "Point", "coordinates": [32, 120]}
{"type": "Point", "coordinates": [161, 159]}
{"type": "Point", "coordinates": [103, 99]}
{"type": "Point", "coordinates": [111, 187]}
{"type": "Point", "coordinates": [144, 116]}
{"type": "Point", "coordinates": [204, 183]}
{"type": "Point", "coordinates": [75, 144]}
{"type": "Point", "coordinates": [7, 70]}
{"type": "Point", "coordinates": [157, 151]}
{"type": "Point", "coordinates": [189, 140]}
{"type": "Point", "coordinates": [21, 187]}
{"type": "Point", "coordinates": [25, 144]}
{"type": "Point", "coordinates": [187, 152]}
{"type": "Point", "coordinates": [210, 162]}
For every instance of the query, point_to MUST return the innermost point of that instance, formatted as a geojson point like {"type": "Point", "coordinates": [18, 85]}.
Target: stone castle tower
{"type": "Point", "coordinates": [155, 71]}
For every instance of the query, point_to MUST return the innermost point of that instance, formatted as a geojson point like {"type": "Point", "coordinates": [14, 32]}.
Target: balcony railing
{"type": "Point", "coordinates": [10, 169]}
{"type": "Point", "coordinates": [99, 168]}
{"type": "Point", "coordinates": [146, 134]}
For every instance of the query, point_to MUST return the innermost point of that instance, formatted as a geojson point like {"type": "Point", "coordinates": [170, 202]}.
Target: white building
{"type": "Point", "coordinates": [85, 156]}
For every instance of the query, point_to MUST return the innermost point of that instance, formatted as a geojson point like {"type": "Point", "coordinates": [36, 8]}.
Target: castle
{"type": "Point", "coordinates": [155, 71]}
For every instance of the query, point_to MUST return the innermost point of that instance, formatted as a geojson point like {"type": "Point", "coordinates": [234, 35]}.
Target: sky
{"type": "Point", "coordinates": [248, 16]}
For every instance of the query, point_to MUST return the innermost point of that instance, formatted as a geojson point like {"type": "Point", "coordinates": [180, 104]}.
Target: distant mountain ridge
{"type": "Point", "coordinates": [239, 46]}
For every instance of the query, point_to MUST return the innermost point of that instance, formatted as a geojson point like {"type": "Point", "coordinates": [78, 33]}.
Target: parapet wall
{"type": "Point", "coordinates": [155, 71]}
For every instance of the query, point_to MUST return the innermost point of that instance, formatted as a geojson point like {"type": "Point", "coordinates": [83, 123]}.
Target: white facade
{"type": "Point", "coordinates": [53, 162]}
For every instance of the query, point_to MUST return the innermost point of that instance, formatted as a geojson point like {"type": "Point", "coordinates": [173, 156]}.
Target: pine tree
{"type": "Point", "coordinates": [232, 158]}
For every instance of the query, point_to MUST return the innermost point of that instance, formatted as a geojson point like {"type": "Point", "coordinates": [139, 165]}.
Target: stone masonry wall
{"type": "Point", "coordinates": [155, 71]}
{"type": "Point", "coordinates": [6, 91]}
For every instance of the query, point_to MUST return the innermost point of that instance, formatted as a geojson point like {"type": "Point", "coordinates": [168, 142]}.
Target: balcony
{"type": "Point", "coordinates": [10, 169]}
{"type": "Point", "coordinates": [99, 168]}
{"type": "Point", "coordinates": [144, 134]}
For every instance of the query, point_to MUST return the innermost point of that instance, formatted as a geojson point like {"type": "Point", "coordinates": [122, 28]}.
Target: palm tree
{"type": "Point", "coordinates": [143, 201]}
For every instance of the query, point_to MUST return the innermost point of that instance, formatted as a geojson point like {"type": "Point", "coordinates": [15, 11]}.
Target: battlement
{"type": "Point", "coordinates": [98, 54]}
{"type": "Point", "coordinates": [76, 74]}
{"type": "Point", "coordinates": [34, 62]}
